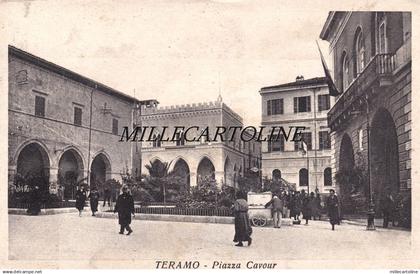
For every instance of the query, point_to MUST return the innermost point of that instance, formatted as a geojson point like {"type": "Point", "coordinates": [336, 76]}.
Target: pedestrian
{"type": "Point", "coordinates": [94, 200]}
{"type": "Point", "coordinates": [316, 206]}
{"type": "Point", "coordinates": [276, 210]}
{"type": "Point", "coordinates": [125, 208]}
{"type": "Point", "coordinates": [34, 201]}
{"type": "Point", "coordinates": [332, 206]}
{"type": "Point", "coordinates": [297, 207]}
{"type": "Point", "coordinates": [387, 206]}
{"type": "Point", "coordinates": [243, 229]}
{"type": "Point", "coordinates": [306, 207]}
{"type": "Point", "coordinates": [107, 196]}
{"type": "Point", "coordinates": [80, 199]}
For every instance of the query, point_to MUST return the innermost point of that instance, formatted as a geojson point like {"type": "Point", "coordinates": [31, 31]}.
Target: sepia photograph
{"type": "Point", "coordinates": [207, 135]}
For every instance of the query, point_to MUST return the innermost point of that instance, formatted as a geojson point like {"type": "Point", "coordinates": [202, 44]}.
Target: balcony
{"type": "Point", "coordinates": [378, 73]}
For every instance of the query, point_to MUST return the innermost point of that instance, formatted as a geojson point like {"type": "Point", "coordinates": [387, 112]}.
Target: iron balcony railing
{"type": "Point", "coordinates": [380, 66]}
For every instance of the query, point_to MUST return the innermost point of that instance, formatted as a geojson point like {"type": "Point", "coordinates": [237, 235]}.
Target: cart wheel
{"type": "Point", "coordinates": [259, 221]}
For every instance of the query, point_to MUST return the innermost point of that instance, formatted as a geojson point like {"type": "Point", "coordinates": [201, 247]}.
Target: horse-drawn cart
{"type": "Point", "coordinates": [258, 214]}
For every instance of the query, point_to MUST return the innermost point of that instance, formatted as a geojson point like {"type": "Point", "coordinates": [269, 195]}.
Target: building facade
{"type": "Point", "coordinates": [64, 127]}
{"type": "Point", "coordinates": [303, 103]}
{"type": "Point", "coordinates": [371, 120]}
{"type": "Point", "coordinates": [223, 161]}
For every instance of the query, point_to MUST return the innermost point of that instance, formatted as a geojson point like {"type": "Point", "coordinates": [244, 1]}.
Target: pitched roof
{"type": "Point", "coordinates": [26, 56]}
{"type": "Point", "coordinates": [307, 82]}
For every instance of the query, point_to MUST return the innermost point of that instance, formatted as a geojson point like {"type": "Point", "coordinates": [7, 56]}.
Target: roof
{"type": "Point", "coordinates": [26, 56]}
{"type": "Point", "coordinates": [300, 83]}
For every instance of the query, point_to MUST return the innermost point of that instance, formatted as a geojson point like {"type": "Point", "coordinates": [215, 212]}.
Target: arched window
{"type": "Point", "coordinates": [359, 51]}
{"type": "Point", "coordinates": [276, 174]}
{"type": "Point", "coordinates": [156, 140]}
{"type": "Point", "coordinates": [345, 72]}
{"type": "Point", "coordinates": [327, 177]}
{"type": "Point", "coordinates": [303, 177]}
{"type": "Point", "coordinates": [180, 139]}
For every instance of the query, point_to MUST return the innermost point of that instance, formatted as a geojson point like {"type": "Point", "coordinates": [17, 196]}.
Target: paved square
{"type": "Point", "coordinates": [69, 237]}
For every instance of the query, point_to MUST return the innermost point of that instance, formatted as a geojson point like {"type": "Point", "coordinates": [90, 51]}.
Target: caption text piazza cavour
{"type": "Point", "coordinates": [196, 133]}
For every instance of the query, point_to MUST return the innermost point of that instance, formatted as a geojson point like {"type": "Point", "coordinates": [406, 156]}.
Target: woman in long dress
{"type": "Point", "coordinates": [243, 229]}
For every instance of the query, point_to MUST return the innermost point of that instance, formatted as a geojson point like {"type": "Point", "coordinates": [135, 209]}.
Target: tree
{"type": "Point", "coordinates": [161, 183]}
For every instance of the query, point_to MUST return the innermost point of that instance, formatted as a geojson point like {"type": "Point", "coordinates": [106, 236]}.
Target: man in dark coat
{"type": "Point", "coordinates": [387, 205]}
{"type": "Point", "coordinates": [332, 206]}
{"type": "Point", "coordinates": [276, 210]}
{"type": "Point", "coordinates": [125, 208]}
{"type": "Point", "coordinates": [243, 228]}
{"type": "Point", "coordinates": [316, 206]}
{"type": "Point", "coordinates": [80, 199]}
{"type": "Point", "coordinates": [94, 200]}
{"type": "Point", "coordinates": [306, 207]}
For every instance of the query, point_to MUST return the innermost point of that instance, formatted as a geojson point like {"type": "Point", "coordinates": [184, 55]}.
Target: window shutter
{"type": "Point", "coordinates": [320, 103]}
{"type": "Point", "coordinates": [269, 107]}
{"type": "Point", "coordinates": [327, 102]}
{"type": "Point", "coordinates": [308, 103]}
{"type": "Point", "coordinates": [295, 104]}
{"type": "Point", "coordinates": [281, 106]}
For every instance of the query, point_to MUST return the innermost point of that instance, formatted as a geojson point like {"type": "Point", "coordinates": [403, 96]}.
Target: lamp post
{"type": "Point", "coordinates": [371, 210]}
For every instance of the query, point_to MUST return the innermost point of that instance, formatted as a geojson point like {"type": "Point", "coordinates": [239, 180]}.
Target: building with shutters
{"type": "Point", "coordinates": [64, 127]}
{"type": "Point", "coordinates": [371, 120]}
{"type": "Point", "coordinates": [303, 103]}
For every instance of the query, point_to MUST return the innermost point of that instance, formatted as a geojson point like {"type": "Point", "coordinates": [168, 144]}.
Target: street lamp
{"type": "Point", "coordinates": [371, 206]}
{"type": "Point", "coordinates": [371, 210]}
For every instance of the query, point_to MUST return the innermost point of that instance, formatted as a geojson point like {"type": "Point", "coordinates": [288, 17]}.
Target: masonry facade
{"type": "Point", "coordinates": [63, 126]}
{"type": "Point", "coordinates": [223, 161]}
{"type": "Point", "coordinates": [371, 121]}
{"type": "Point", "coordinates": [303, 103]}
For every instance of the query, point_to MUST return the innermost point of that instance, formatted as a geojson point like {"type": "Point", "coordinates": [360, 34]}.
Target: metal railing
{"type": "Point", "coordinates": [380, 65]}
{"type": "Point", "coordinates": [221, 212]}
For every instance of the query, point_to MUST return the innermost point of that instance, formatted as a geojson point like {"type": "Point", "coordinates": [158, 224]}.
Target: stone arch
{"type": "Point", "coordinates": [100, 169]}
{"type": "Point", "coordinates": [70, 171]}
{"type": "Point", "coordinates": [384, 160]}
{"type": "Point", "coordinates": [33, 141]}
{"type": "Point", "coordinates": [205, 169]}
{"type": "Point", "coordinates": [228, 172]}
{"type": "Point", "coordinates": [182, 170]}
{"type": "Point", "coordinates": [33, 164]}
{"type": "Point", "coordinates": [345, 174]}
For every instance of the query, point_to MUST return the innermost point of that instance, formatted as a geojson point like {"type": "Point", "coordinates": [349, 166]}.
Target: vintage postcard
{"type": "Point", "coordinates": [208, 135]}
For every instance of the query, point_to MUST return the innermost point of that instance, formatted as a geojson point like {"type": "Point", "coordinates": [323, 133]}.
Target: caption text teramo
{"type": "Point", "coordinates": [214, 265]}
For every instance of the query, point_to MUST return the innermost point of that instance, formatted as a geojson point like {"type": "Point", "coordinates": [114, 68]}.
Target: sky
{"type": "Point", "coordinates": [178, 52]}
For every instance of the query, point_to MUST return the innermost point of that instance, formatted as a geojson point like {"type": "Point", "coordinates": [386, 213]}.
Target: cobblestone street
{"type": "Point", "coordinates": [69, 237]}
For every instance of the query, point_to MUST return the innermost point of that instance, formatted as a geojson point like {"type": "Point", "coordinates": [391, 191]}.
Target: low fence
{"type": "Point", "coordinates": [62, 204]}
{"type": "Point", "coordinates": [221, 212]}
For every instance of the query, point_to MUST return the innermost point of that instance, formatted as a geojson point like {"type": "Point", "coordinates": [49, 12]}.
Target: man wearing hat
{"type": "Point", "coordinates": [125, 207]}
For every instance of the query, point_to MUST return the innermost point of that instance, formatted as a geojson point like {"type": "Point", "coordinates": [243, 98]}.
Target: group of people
{"type": "Point", "coordinates": [296, 202]}
{"type": "Point", "coordinates": [81, 197]}
{"type": "Point", "coordinates": [124, 205]}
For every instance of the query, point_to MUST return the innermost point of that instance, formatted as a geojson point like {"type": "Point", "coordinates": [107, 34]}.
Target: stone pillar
{"type": "Point", "coordinates": [219, 178]}
{"type": "Point", "coordinates": [193, 179]}
{"type": "Point", "coordinates": [11, 175]}
{"type": "Point", "coordinates": [53, 180]}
